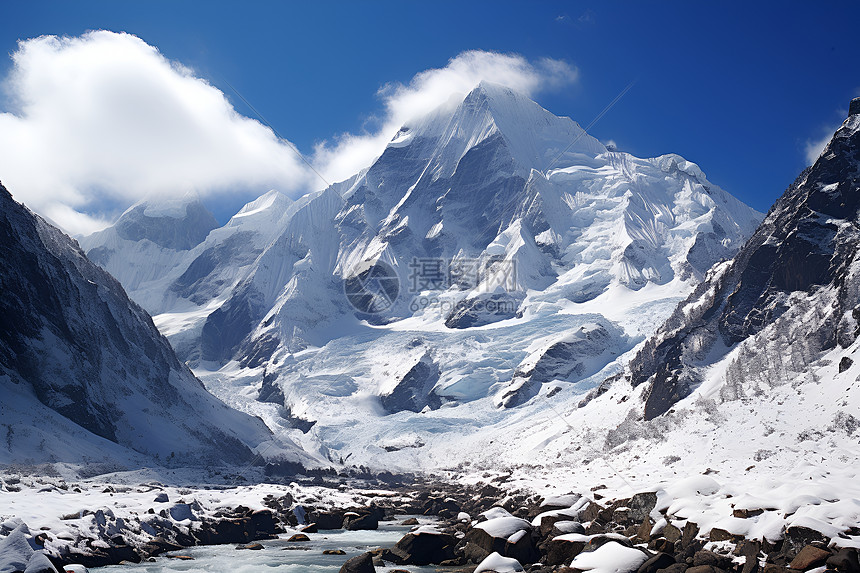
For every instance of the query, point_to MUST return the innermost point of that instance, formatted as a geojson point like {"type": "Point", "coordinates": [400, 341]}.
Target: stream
{"type": "Point", "coordinates": [281, 556]}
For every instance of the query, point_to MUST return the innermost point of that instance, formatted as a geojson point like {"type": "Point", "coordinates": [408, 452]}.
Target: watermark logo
{"type": "Point", "coordinates": [372, 288]}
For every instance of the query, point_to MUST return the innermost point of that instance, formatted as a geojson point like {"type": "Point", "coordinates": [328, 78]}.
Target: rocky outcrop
{"type": "Point", "coordinates": [806, 246]}
{"type": "Point", "coordinates": [414, 391]}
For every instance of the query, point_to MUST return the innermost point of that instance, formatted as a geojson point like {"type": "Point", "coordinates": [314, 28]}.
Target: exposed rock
{"type": "Point", "coordinates": [569, 359]}
{"type": "Point", "coordinates": [798, 537]}
{"type": "Point", "coordinates": [671, 533]}
{"type": "Point", "coordinates": [809, 557]}
{"type": "Point", "coordinates": [299, 537]}
{"type": "Point", "coordinates": [676, 568]}
{"type": "Point", "coordinates": [329, 519]}
{"type": "Point", "coordinates": [251, 546]}
{"type": "Point", "coordinates": [423, 549]}
{"type": "Point", "coordinates": [360, 564]}
{"type": "Point", "coordinates": [362, 522]}
{"type": "Point", "coordinates": [641, 505]}
{"type": "Point", "coordinates": [559, 552]}
{"type": "Point", "coordinates": [704, 569]}
{"type": "Point", "coordinates": [718, 534]}
{"type": "Point", "coordinates": [414, 391]}
{"type": "Point", "coordinates": [161, 498]}
{"type": "Point", "coordinates": [844, 561]}
{"type": "Point", "coordinates": [657, 562]}
{"type": "Point", "coordinates": [712, 559]}
{"type": "Point", "coordinates": [484, 309]}
{"type": "Point", "coordinates": [474, 553]}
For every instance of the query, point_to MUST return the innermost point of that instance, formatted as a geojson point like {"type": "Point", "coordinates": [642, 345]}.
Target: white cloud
{"type": "Point", "coordinates": [814, 147]}
{"type": "Point", "coordinates": [107, 117]}
{"type": "Point", "coordinates": [431, 88]}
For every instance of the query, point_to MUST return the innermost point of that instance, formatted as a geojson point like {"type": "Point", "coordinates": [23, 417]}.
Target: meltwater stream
{"type": "Point", "coordinates": [281, 556]}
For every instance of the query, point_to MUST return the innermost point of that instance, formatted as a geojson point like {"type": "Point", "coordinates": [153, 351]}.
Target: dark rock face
{"type": "Point", "coordinates": [805, 243]}
{"type": "Point", "coordinates": [165, 231]}
{"type": "Point", "coordinates": [414, 392]}
{"type": "Point", "coordinates": [565, 360]}
{"type": "Point", "coordinates": [69, 332]}
{"type": "Point", "coordinates": [227, 326]}
{"type": "Point", "coordinates": [484, 309]}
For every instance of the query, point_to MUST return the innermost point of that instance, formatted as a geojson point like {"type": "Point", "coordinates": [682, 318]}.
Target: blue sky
{"type": "Point", "coordinates": [742, 89]}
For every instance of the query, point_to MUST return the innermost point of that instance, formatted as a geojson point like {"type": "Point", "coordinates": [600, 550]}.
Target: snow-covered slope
{"type": "Point", "coordinates": [84, 374]}
{"type": "Point", "coordinates": [492, 255]}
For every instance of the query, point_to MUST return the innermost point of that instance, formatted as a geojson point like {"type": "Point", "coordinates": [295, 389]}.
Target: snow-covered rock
{"type": "Point", "coordinates": [498, 564]}
{"type": "Point", "coordinates": [611, 557]}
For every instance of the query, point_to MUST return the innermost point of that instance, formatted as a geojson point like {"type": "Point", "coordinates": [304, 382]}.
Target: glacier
{"type": "Point", "coordinates": [530, 263]}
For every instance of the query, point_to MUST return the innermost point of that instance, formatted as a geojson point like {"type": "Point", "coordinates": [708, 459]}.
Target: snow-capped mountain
{"type": "Point", "coordinates": [85, 375]}
{"type": "Point", "coordinates": [791, 293]}
{"type": "Point", "coordinates": [494, 253]}
{"type": "Point", "coordinates": [748, 391]}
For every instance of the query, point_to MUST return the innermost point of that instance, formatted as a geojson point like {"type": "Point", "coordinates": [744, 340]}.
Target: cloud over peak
{"type": "Point", "coordinates": [106, 119]}
{"type": "Point", "coordinates": [431, 88]}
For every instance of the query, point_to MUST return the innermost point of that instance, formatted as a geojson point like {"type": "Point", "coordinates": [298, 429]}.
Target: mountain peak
{"type": "Point", "coordinates": [534, 137]}
{"type": "Point", "coordinates": [179, 224]}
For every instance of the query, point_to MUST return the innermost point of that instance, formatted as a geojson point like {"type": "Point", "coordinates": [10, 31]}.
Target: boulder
{"type": "Point", "coordinates": [657, 562]}
{"type": "Point", "coordinates": [360, 564]}
{"type": "Point", "coordinates": [224, 531]}
{"type": "Point", "coordinates": [676, 568]}
{"type": "Point", "coordinates": [798, 537]}
{"type": "Point", "coordinates": [704, 569]}
{"type": "Point", "coordinates": [844, 561]}
{"type": "Point", "coordinates": [162, 498]}
{"type": "Point", "coordinates": [328, 519]}
{"type": "Point", "coordinates": [520, 546]}
{"type": "Point", "coordinates": [749, 549]}
{"type": "Point", "coordinates": [474, 553]}
{"type": "Point", "coordinates": [423, 548]}
{"type": "Point", "coordinates": [299, 537]}
{"type": "Point", "coordinates": [641, 505]}
{"type": "Point", "coordinates": [498, 564]}
{"type": "Point", "coordinates": [362, 522]}
{"type": "Point", "coordinates": [713, 559]}
{"type": "Point", "coordinates": [263, 522]}
{"type": "Point", "coordinates": [560, 551]}
{"type": "Point", "coordinates": [809, 557]}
